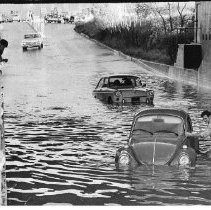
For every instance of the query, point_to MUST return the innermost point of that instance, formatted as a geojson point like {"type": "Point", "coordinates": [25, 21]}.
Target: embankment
{"type": "Point", "coordinates": [93, 31]}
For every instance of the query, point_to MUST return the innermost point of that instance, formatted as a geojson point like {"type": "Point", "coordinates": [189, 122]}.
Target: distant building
{"type": "Point", "coordinates": [203, 37]}
{"type": "Point", "coordinates": [203, 27]}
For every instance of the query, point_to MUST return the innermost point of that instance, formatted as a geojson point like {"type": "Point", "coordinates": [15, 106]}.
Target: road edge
{"type": "Point", "coordinates": [165, 71]}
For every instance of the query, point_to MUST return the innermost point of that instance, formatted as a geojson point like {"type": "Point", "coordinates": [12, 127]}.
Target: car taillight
{"type": "Point", "coordinates": [184, 159]}
{"type": "Point", "coordinates": [124, 158]}
{"type": "Point", "coordinates": [151, 92]}
{"type": "Point", "coordinates": [118, 93]}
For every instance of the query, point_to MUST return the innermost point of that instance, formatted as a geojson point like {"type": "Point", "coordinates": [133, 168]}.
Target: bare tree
{"type": "Point", "coordinates": [160, 11]}
{"type": "Point", "coordinates": [143, 11]}
{"type": "Point", "coordinates": [170, 17]}
{"type": "Point", "coordinates": [181, 15]}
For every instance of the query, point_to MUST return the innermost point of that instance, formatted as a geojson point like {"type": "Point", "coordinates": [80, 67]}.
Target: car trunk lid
{"type": "Point", "coordinates": [135, 92]}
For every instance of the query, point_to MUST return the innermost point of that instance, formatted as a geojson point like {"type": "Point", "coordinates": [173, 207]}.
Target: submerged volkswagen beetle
{"type": "Point", "coordinates": [123, 89]}
{"type": "Point", "coordinates": [157, 137]}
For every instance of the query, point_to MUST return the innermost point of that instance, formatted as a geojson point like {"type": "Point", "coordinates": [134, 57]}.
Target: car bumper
{"type": "Point", "coordinates": [31, 45]}
{"type": "Point", "coordinates": [134, 100]}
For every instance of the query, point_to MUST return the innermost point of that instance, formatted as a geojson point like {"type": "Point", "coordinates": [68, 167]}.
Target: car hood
{"type": "Point", "coordinates": [154, 153]}
{"type": "Point", "coordinates": [156, 149]}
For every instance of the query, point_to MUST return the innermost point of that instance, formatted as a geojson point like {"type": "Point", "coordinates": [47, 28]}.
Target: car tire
{"type": "Point", "coordinates": [24, 48]}
{"type": "Point", "coordinates": [41, 45]}
{"type": "Point", "coordinates": [110, 101]}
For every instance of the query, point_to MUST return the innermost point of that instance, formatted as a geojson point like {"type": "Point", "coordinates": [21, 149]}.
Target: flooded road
{"type": "Point", "coordinates": [61, 141]}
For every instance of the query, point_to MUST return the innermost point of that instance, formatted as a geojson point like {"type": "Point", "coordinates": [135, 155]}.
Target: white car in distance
{"type": "Point", "coordinates": [32, 40]}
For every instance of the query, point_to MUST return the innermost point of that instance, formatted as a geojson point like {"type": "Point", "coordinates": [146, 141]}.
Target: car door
{"type": "Point", "coordinates": [98, 92]}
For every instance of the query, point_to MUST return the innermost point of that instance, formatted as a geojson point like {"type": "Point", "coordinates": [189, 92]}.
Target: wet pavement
{"type": "Point", "coordinates": [61, 141]}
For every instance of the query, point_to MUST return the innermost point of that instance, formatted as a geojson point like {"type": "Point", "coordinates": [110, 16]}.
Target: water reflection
{"type": "Point", "coordinates": [166, 185]}
{"type": "Point", "coordinates": [158, 177]}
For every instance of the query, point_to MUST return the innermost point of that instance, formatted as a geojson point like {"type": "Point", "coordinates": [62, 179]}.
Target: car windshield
{"type": "Point", "coordinates": [123, 81]}
{"type": "Point", "coordinates": [29, 36]}
{"type": "Point", "coordinates": [160, 125]}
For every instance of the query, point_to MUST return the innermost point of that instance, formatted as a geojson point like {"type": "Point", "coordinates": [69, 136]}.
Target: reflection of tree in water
{"type": "Point", "coordinates": [170, 89]}
{"type": "Point", "coordinates": [189, 92]}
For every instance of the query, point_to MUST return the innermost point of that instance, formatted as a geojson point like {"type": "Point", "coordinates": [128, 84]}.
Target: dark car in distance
{"type": "Point", "coordinates": [123, 89]}
{"type": "Point", "coordinates": [157, 137]}
{"type": "Point", "coordinates": [72, 18]}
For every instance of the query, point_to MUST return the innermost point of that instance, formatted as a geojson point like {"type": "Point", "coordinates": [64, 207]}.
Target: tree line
{"type": "Point", "coordinates": [154, 33]}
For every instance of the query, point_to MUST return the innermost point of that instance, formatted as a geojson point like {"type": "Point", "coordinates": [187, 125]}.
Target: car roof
{"type": "Point", "coordinates": [169, 111]}
{"type": "Point", "coordinates": [120, 75]}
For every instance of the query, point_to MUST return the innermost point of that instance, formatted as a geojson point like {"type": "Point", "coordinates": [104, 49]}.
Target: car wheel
{"type": "Point", "coordinates": [110, 101]}
{"type": "Point", "coordinates": [24, 48]}
{"type": "Point", "coordinates": [41, 45]}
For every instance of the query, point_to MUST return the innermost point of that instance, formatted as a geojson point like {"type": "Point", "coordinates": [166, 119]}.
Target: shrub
{"type": "Point", "coordinates": [144, 41]}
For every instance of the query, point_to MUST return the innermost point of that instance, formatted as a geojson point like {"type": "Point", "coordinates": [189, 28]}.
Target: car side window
{"type": "Point", "coordinates": [133, 82]}
{"type": "Point", "coordinates": [138, 82]}
{"type": "Point", "coordinates": [105, 82]}
{"type": "Point", "coordinates": [100, 83]}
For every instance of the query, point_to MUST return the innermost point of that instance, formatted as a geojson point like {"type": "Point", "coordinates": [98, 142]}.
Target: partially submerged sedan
{"type": "Point", "coordinates": [123, 89]}
{"type": "Point", "coordinates": [157, 137]}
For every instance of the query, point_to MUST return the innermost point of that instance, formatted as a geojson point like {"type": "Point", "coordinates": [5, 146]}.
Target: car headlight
{"type": "Point", "coordinates": [151, 92]}
{"type": "Point", "coordinates": [184, 159]}
{"type": "Point", "coordinates": [118, 93]}
{"type": "Point", "coordinates": [124, 158]}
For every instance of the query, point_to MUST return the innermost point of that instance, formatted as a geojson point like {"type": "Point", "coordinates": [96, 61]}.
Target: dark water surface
{"type": "Point", "coordinates": [61, 142]}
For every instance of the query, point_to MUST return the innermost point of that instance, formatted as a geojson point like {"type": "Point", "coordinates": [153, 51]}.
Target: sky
{"type": "Point", "coordinates": [71, 7]}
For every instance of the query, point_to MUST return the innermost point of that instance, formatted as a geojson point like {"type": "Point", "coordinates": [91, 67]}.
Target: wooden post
{"type": "Point", "coordinates": [3, 190]}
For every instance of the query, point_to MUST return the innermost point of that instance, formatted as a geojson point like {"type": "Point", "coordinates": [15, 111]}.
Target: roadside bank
{"type": "Point", "coordinates": [187, 76]}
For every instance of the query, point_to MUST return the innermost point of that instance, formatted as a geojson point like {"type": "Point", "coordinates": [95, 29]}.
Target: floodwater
{"type": "Point", "coordinates": [61, 141]}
